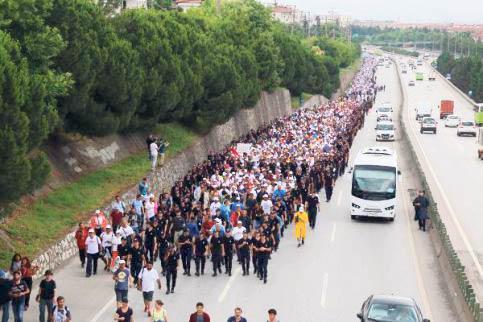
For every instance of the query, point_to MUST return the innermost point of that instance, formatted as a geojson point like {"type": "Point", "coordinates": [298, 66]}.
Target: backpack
{"type": "Point", "coordinates": [56, 313]}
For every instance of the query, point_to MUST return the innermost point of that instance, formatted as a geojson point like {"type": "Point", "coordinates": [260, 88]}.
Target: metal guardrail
{"type": "Point", "coordinates": [457, 268]}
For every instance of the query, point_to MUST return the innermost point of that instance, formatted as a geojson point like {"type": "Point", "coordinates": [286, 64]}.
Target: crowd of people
{"type": "Point", "coordinates": [233, 207]}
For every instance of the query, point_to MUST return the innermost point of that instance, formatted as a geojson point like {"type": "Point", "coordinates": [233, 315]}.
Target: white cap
{"type": "Point", "coordinates": [98, 212]}
{"type": "Point", "coordinates": [122, 261]}
{"type": "Point", "coordinates": [218, 220]}
{"type": "Point", "coordinates": [91, 230]}
{"type": "Point", "coordinates": [108, 227]}
{"type": "Point", "coordinates": [265, 196]}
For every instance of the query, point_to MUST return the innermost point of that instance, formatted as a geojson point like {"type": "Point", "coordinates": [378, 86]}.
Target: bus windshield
{"type": "Point", "coordinates": [372, 182]}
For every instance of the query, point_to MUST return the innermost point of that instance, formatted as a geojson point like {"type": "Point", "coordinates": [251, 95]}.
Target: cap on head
{"type": "Point", "coordinates": [91, 230]}
{"type": "Point", "coordinates": [98, 212]}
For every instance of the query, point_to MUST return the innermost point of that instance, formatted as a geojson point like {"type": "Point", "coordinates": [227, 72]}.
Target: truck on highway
{"type": "Point", "coordinates": [423, 110]}
{"type": "Point", "coordinates": [479, 114]}
{"type": "Point", "coordinates": [446, 108]}
{"type": "Point", "coordinates": [419, 76]}
{"type": "Point", "coordinates": [374, 183]}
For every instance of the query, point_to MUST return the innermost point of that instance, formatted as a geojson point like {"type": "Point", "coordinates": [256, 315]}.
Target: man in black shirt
{"type": "Point", "coordinates": [137, 260]}
{"type": "Point", "coordinates": [312, 205]}
{"type": "Point", "coordinates": [217, 252]}
{"type": "Point", "coordinates": [150, 242]}
{"type": "Point", "coordinates": [244, 245]}
{"type": "Point", "coordinates": [264, 248]}
{"type": "Point", "coordinates": [46, 296]}
{"type": "Point", "coordinates": [171, 260]}
{"type": "Point", "coordinates": [186, 249]}
{"type": "Point", "coordinates": [200, 249]}
{"type": "Point", "coordinates": [17, 293]}
{"type": "Point", "coordinates": [5, 285]}
{"type": "Point", "coordinates": [163, 244]}
{"type": "Point", "coordinates": [229, 246]}
{"type": "Point", "coordinates": [123, 250]}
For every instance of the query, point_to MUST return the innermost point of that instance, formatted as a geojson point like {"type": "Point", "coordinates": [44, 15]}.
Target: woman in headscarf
{"type": "Point", "coordinates": [301, 218]}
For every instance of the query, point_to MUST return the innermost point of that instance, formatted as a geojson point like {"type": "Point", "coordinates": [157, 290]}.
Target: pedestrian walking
{"type": "Point", "coordinates": [312, 208]}
{"type": "Point", "coordinates": [272, 316]}
{"type": "Point", "coordinates": [264, 248]}
{"type": "Point", "coordinates": [17, 293]}
{"type": "Point", "coordinates": [93, 248]}
{"type": "Point", "coordinates": [328, 185]}
{"type": "Point", "coordinates": [237, 317]}
{"type": "Point", "coordinates": [153, 150]}
{"type": "Point", "coordinates": [186, 250]}
{"type": "Point", "coordinates": [80, 236]}
{"type": "Point", "coordinates": [60, 311]}
{"type": "Point", "coordinates": [244, 246]}
{"type": "Point", "coordinates": [200, 315]}
{"type": "Point", "coordinates": [46, 296]}
{"type": "Point", "coordinates": [107, 241]}
{"type": "Point", "coordinates": [300, 219]}
{"type": "Point", "coordinates": [124, 313]}
{"type": "Point", "coordinates": [5, 286]}
{"type": "Point", "coordinates": [229, 248]}
{"type": "Point", "coordinates": [217, 252]}
{"type": "Point", "coordinates": [28, 270]}
{"type": "Point", "coordinates": [98, 222]}
{"type": "Point", "coordinates": [172, 261]}
{"type": "Point", "coordinates": [123, 280]}
{"type": "Point", "coordinates": [147, 280]}
{"type": "Point", "coordinates": [200, 249]}
{"type": "Point", "coordinates": [421, 205]}
{"type": "Point", "coordinates": [137, 260]}
{"type": "Point", "coordinates": [159, 313]}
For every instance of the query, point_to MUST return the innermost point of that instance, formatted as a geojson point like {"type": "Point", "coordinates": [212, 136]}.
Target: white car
{"type": "Point", "coordinates": [385, 131]}
{"type": "Point", "coordinates": [384, 112]}
{"type": "Point", "coordinates": [466, 128]}
{"type": "Point", "coordinates": [452, 121]}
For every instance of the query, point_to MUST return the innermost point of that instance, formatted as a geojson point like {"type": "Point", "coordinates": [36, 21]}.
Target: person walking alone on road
{"type": "Point", "coordinates": [46, 296]}
{"type": "Point", "coordinates": [421, 205]}
{"type": "Point", "coordinates": [312, 207]}
{"type": "Point", "coordinates": [300, 219]}
{"type": "Point", "coordinates": [153, 150]}
{"type": "Point", "coordinates": [237, 317]}
{"type": "Point", "coordinates": [93, 247]}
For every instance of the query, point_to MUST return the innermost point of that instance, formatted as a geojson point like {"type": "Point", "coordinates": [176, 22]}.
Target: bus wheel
{"type": "Point", "coordinates": [391, 219]}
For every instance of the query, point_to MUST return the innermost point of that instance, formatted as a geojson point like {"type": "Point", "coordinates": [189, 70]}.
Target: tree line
{"type": "Point", "coordinates": [466, 73]}
{"type": "Point", "coordinates": [68, 66]}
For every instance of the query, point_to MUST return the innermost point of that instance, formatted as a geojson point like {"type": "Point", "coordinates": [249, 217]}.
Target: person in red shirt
{"type": "Point", "coordinates": [116, 217]}
{"type": "Point", "coordinates": [98, 222]}
{"type": "Point", "coordinates": [28, 270]}
{"type": "Point", "coordinates": [200, 314]}
{"type": "Point", "coordinates": [80, 236]}
{"type": "Point", "coordinates": [207, 224]}
{"type": "Point", "coordinates": [234, 216]}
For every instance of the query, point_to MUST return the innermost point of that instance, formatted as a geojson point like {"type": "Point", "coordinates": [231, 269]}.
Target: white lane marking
{"type": "Point", "coordinates": [109, 305]}
{"type": "Point", "coordinates": [339, 198]}
{"type": "Point", "coordinates": [332, 236]}
{"type": "Point", "coordinates": [446, 201]}
{"type": "Point", "coordinates": [222, 296]}
{"type": "Point", "coordinates": [325, 282]}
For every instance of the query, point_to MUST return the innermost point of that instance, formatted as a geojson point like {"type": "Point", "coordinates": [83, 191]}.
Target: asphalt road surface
{"type": "Point", "coordinates": [342, 262]}
{"type": "Point", "coordinates": [454, 172]}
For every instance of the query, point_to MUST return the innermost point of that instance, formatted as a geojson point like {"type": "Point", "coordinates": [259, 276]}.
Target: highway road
{"type": "Point", "coordinates": [453, 170]}
{"type": "Point", "coordinates": [342, 262]}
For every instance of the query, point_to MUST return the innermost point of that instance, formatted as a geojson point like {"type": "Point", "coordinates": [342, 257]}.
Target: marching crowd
{"type": "Point", "coordinates": [233, 207]}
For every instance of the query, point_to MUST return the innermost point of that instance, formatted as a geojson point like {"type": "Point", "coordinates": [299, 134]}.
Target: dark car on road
{"type": "Point", "coordinates": [390, 308]}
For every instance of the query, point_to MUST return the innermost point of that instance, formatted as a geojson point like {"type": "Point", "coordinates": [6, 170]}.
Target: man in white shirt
{"type": "Point", "coordinates": [266, 205]}
{"type": "Point", "coordinates": [125, 231]}
{"type": "Point", "coordinates": [107, 240]}
{"type": "Point", "coordinates": [153, 150]}
{"type": "Point", "coordinates": [237, 232]}
{"type": "Point", "coordinates": [214, 206]}
{"type": "Point", "coordinates": [93, 247]}
{"type": "Point", "coordinates": [148, 277]}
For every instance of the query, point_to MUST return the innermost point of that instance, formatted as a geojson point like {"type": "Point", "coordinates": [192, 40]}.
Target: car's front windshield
{"type": "Point", "coordinates": [384, 109]}
{"type": "Point", "coordinates": [385, 127]}
{"type": "Point", "coordinates": [384, 312]}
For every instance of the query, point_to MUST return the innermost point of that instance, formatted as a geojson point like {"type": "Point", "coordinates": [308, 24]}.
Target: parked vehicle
{"type": "Point", "coordinates": [446, 108]}
{"type": "Point", "coordinates": [467, 128]}
{"type": "Point", "coordinates": [428, 125]}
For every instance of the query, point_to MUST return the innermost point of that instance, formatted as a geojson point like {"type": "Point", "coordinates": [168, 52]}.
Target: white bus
{"type": "Point", "coordinates": [374, 182]}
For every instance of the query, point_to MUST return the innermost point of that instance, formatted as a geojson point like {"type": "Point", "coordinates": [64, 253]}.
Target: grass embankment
{"type": "Point", "coordinates": [49, 218]}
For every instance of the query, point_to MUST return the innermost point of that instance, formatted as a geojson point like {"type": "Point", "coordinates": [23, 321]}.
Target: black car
{"type": "Point", "coordinates": [390, 308]}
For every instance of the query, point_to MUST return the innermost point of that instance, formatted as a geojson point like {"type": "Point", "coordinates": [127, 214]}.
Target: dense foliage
{"type": "Point", "coordinates": [400, 51]}
{"type": "Point", "coordinates": [78, 66]}
{"type": "Point", "coordinates": [466, 73]}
